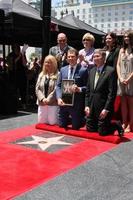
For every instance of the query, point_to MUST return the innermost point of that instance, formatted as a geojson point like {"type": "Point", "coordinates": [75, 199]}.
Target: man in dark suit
{"type": "Point", "coordinates": [100, 95]}
{"type": "Point", "coordinates": [60, 50]}
{"type": "Point", "coordinates": [80, 75]}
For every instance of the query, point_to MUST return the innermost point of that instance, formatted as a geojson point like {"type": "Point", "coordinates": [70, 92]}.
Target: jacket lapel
{"type": "Point", "coordinates": [76, 73]}
{"type": "Point", "coordinates": [92, 78]}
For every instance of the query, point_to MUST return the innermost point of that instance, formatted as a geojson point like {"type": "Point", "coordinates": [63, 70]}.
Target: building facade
{"type": "Point", "coordinates": [105, 15]}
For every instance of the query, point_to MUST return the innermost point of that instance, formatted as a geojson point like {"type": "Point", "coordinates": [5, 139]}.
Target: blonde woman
{"type": "Point", "coordinates": [125, 80]}
{"type": "Point", "coordinates": [45, 92]}
{"type": "Point", "coordinates": [86, 54]}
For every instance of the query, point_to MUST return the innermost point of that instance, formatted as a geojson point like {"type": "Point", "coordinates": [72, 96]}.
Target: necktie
{"type": "Point", "coordinates": [96, 77]}
{"type": "Point", "coordinates": [71, 73]}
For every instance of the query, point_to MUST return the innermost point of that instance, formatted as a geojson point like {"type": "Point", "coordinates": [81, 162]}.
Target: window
{"type": "Point", "coordinates": [116, 24]}
{"type": "Point", "coordinates": [83, 11]}
{"type": "Point", "coordinates": [131, 6]}
{"type": "Point", "coordinates": [131, 12]}
{"type": "Point", "coordinates": [109, 14]}
{"type": "Point", "coordinates": [86, 1]}
{"type": "Point", "coordinates": [78, 11]}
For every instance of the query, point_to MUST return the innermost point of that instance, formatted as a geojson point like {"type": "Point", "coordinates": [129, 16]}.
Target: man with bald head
{"type": "Point", "coordinates": [60, 50]}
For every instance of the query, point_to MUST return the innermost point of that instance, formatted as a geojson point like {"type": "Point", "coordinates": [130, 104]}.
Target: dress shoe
{"type": "Point", "coordinates": [120, 129]}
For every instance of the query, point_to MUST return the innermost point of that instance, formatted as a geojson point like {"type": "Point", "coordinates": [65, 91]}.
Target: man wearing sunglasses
{"type": "Point", "coordinates": [60, 50]}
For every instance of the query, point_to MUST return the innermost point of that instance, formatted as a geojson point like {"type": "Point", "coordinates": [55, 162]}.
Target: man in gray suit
{"type": "Point", "coordinates": [60, 50]}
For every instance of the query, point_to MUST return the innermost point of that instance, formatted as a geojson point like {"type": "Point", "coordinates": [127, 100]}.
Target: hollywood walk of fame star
{"type": "Point", "coordinates": [44, 143]}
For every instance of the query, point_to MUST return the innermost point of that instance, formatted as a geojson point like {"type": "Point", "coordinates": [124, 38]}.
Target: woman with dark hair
{"type": "Point", "coordinates": [125, 80]}
{"type": "Point", "coordinates": [112, 52]}
{"type": "Point", "coordinates": [112, 49]}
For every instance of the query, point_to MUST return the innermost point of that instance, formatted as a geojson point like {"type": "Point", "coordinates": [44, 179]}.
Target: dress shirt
{"type": "Point", "coordinates": [98, 72]}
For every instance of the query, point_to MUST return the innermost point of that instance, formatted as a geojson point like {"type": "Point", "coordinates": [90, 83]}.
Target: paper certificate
{"type": "Point", "coordinates": [67, 94]}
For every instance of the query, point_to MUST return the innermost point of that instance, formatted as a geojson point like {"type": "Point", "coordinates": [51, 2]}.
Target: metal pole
{"type": "Point", "coordinates": [45, 13]}
{"type": "Point", "coordinates": [2, 20]}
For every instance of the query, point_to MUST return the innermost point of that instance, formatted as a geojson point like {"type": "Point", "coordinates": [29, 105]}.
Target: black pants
{"type": "Point", "coordinates": [96, 124]}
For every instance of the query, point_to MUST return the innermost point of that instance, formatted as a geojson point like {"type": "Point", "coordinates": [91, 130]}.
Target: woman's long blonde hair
{"type": "Point", "coordinates": [53, 60]}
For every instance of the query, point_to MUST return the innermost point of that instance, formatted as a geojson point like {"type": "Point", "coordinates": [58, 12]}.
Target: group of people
{"type": "Point", "coordinates": [99, 76]}
{"type": "Point", "coordinates": [20, 78]}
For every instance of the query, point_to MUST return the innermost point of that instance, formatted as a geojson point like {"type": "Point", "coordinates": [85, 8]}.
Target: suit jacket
{"type": "Point", "coordinates": [103, 95]}
{"type": "Point", "coordinates": [112, 57]}
{"type": "Point", "coordinates": [80, 77]}
{"type": "Point", "coordinates": [40, 90]}
{"type": "Point", "coordinates": [55, 51]}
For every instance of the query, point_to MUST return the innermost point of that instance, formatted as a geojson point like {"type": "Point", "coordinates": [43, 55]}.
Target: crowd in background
{"type": "Point", "coordinates": [100, 76]}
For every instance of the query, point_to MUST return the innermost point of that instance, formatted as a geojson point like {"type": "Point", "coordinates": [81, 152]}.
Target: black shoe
{"type": "Point", "coordinates": [120, 129]}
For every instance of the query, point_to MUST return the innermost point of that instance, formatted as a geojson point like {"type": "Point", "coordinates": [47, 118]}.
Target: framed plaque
{"type": "Point", "coordinates": [67, 94]}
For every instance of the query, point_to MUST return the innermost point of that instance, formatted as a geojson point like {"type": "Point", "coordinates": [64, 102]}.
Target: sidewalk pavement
{"type": "Point", "coordinates": [108, 176]}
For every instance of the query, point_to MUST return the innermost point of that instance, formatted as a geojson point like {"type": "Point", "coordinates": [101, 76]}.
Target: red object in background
{"type": "Point", "coordinates": [117, 109]}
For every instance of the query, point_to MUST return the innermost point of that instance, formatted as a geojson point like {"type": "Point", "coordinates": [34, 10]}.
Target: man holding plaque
{"type": "Point", "coordinates": [70, 91]}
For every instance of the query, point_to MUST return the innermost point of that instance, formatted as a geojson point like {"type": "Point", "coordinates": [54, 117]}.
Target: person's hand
{"type": "Point", "coordinates": [60, 102]}
{"type": "Point", "coordinates": [87, 111]}
{"type": "Point", "coordinates": [81, 58]}
{"type": "Point", "coordinates": [25, 47]}
{"type": "Point", "coordinates": [64, 56]}
{"type": "Point", "coordinates": [122, 80]}
{"type": "Point", "coordinates": [103, 114]}
{"type": "Point", "coordinates": [44, 101]}
{"type": "Point", "coordinates": [75, 88]}
{"type": "Point", "coordinates": [125, 82]}
{"type": "Point", "coordinates": [58, 57]}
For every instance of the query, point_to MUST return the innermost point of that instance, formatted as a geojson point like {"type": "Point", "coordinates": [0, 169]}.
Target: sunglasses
{"type": "Point", "coordinates": [61, 40]}
{"type": "Point", "coordinates": [86, 40]}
